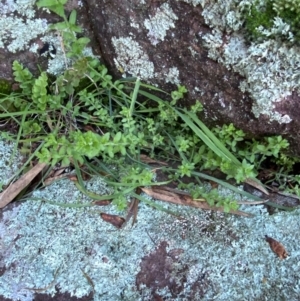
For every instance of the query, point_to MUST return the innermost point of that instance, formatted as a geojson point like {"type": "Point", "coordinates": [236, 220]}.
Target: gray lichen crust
{"type": "Point", "coordinates": [132, 59]}
{"type": "Point", "coordinates": [159, 24]}
{"type": "Point", "coordinates": [18, 25]}
{"type": "Point", "coordinates": [10, 161]}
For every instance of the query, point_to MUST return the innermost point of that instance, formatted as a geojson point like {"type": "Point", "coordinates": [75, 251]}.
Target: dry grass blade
{"type": "Point", "coordinates": [256, 184]}
{"type": "Point", "coordinates": [89, 280]}
{"type": "Point", "coordinates": [148, 160]}
{"type": "Point", "coordinates": [164, 194]}
{"type": "Point", "coordinates": [253, 202]}
{"type": "Point", "coordinates": [14, 189]}
{"type": "Point", "coordinates": [55, 178]}
{"type": "Point", "coordinates": [132, 211]}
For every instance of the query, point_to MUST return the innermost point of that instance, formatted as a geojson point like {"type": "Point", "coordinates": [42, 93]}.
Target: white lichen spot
{"type": "Point", "coordinates": [172, 76]}
{"type": "Point", "coordinates": [134, 24]}
{"type": "Point", "coordinates": [16, 34]}
{"type": "Point", "coordinates": [286, 119]}
{"type": "Point", "coordinates": [221, 100]}
{"type": "Point", "coordinates": [280, 28]}
{"type": "Point", "coordinates": [60, 62]}
{"type": "Point", "coordinates": [159, 24]}
{"type": "Point", "coordinates": [193, 52]}
{"type": "Point", "coordinates": [34, 48]}
{"type": "Point", "coordinates": [131, 58]}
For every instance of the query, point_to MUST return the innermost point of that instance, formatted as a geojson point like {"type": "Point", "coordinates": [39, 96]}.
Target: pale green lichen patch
{"type": "Point", "coordinates": [44, 246]}
{"type": "Point", "coordinates": [48, 246]}
{"type": "Point", "coordinates": [159, 24]}
{"type": "Point", "coordinates": [131, 58]}
{"type": "Point", "coordinates": [20, 28]}
{"type": "Point", "coordinates": [22, 7]}
{"type": "Point", "coordinates": [271, 70]}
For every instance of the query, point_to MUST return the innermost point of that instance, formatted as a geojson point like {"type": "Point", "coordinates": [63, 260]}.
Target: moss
{"type": "Point", "coordinates": [264, 16]}
{"type": "Point", "coordinates": [5, 89]}
{"type": "Point", "coordinates": [5, 86]}
{"type": "Point", "coordinates": [290, 14]}
{"type": "Point", "coordinates": [256, 17]}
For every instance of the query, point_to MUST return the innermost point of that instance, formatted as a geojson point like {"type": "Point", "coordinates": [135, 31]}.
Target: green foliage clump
{"type": "Point", "coordinates": [288, 10]}
{"type": "Point", "coordinates": [257, 152]}
{"type": "Point", "coordinates": [120, 127]}
{"type": "Point", "coordinates": [259, 16]}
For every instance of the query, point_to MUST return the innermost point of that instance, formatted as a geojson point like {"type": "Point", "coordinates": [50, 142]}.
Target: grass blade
{"type": "Point", "coordinates": [213, 138]}
{"type": "Point", "coordinates": [134, 96]}
{"type": "Point", "coordinates": [204, 137]}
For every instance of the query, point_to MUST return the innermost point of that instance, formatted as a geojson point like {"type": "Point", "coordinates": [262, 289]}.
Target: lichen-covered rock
{"type": "Point", "coordinates": [50, 243]}
{"type": "Point", "coordinates": [25, 36]}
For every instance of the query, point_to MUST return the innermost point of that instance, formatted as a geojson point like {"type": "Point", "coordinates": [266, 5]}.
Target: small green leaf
{"type": "Point", "coordinates": [65, 161]}
{"type": "Point", "coordinates": [117, 137]}
{"type": "Point", "coordinates": [83, 40]}
{"type": "Point", "coordinates": [59, 26]}
{"type": "Point", "coordinates": [59, 10]}
{"type": "Point", "coordinates": [73, 16]}
{"type": "Point", "coordinates": [46, 3]}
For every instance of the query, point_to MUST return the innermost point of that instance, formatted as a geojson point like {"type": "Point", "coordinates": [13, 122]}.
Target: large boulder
{"type": "Point", "coordinates": [172, 42]}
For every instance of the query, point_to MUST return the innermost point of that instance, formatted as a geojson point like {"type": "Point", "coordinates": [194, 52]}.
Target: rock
{"type": "Point", "coordinates": [167, 43]}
